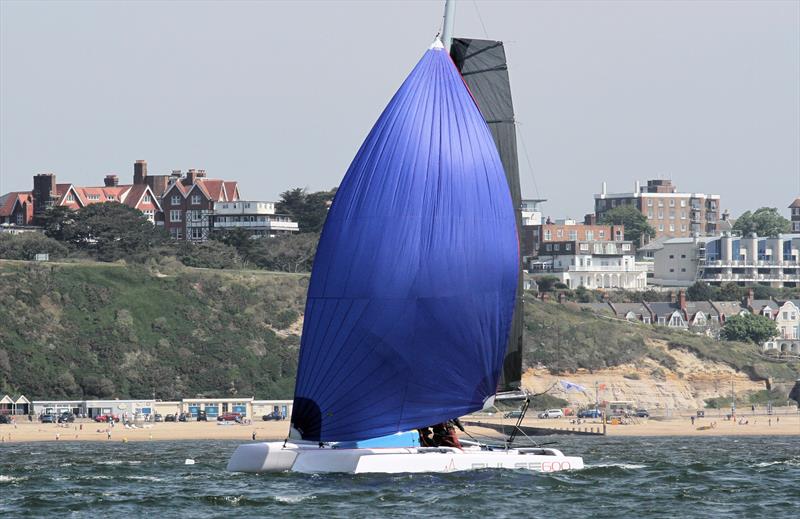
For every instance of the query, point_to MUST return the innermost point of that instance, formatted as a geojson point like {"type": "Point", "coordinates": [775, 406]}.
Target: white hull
{"type": "Point", "coordinates": [309, 458]}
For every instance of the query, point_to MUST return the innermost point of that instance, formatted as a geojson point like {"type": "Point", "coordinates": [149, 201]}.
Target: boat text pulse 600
{"type": "Point", "coordinates": [412, 295]}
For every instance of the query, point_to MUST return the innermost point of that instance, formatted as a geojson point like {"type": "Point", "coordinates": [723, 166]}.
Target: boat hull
{"type": "Point", "coordinates": [277, 457]}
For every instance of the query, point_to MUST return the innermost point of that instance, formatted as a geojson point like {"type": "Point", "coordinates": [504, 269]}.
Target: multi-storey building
{"type": "Point", "coordinates": [188, 203]}
{"type": "Point", "coordinates": [794, 214]}
{"type": "Point", "coordinates": [20, 208]}
{"type": "Point", "coordinates": [722, 259]}
{"type": "Point", "coordinates": [670, 213]}
{"type": "Point", "coordinates": [593, 264]}
{"type": "Point", "coordinates": [258, 218]}
{"type": "Point", "coordinates": [535, 236]}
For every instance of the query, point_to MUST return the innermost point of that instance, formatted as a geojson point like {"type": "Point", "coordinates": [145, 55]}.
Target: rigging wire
{"type": "Point", "coordinates": [528, 159]}
{"type": "Point", "coordinates": [480, 18]}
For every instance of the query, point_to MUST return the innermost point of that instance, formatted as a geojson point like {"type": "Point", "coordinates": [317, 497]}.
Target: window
{"type": "Point", "coordinates": [175, 215]}
{"type": "Point", "coordinates": [20, 218]}
{"type": "Point", "coordinates": [660, 203]}
{"type": "Point", "coordinates": [671, 227]}
{"type": "Point", "coordinates": [649, 202]}
{"type": "Point", "coordinates": [584, 246]}
{"type": "Point", "coordinates": [548, 247]}
{"type": "Point", "coordinates": [195, 199]}
{"type": "Point", "coordinates": [683, 203]}
{"type": "Point", "coordinates": [671, 256]}
{"type": "Point", "coordinates": [70, 197]}
{"type": "Point", "coordinates": [683, 215]}
{"type": "Point", "coordinates": [197, 233]}
{"type": "Point", "coordinates": [590, 235]}
{"type": "Point", "coordinates": [556, 247]}
{"type": "Point", "coordinates": [568, 246]}
{"type": "Point", "coordinates": [547, 235]}
{"type": "Point", "coordinates": [649, 213]}
{"type": "Point", "coordinates": [175, 200]}
{"type": "Point", "coordinates": [93, 197]}
{"type": "Point", "coordinates": [672, 214]}
{"type": "Point", "coordinates": [660, 214]}
{"type": "Point", "coordinates": [559, 233]}
{"type": "Point", "coordinates": [785, 316]}
{"type": "Point", "coordinates": [602, 234]}
{"type": "Point", "coordinates": [111, 197]}
{"type": "Point", "coordinates": [672, 202]}
{"type": "Point", "coordinates": [179, 233]}
{"type": "Point", "coordinates": [683, 270]}
{"type": "Point", "coordinates": [146, 199]}
{"type": "Point", "coordinates": [661, 227]}
{"type": "Point", "coordinates": [626, 246]}
{"type": "Point", "coordinates": [683, 227]}
{"type": "Point", "coordinates": [573, 235]}
{"type": "Point", "coordinates": [672, 270]}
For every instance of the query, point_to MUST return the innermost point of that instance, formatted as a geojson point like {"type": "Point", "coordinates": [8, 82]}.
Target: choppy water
{"type": "Point", "coordinates": [626, 477]}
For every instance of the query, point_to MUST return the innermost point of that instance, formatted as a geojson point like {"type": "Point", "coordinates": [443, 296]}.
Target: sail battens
{"type": "Point", "coordinates": [412, 289]}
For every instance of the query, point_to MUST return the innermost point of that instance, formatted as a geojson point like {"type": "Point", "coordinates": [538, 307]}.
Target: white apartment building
{"type": "Point", "coordinates": [722, 259]}
{"type": "Point", "coordinates": [594, 264]}
{"type": "Point", "coordinates": [257, 217]}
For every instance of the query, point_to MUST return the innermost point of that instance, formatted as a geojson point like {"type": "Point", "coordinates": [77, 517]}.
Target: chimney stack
{"type": "Point", "coordinates": [111, 181]}
{"type": "Point", "coordinates": [748, 299]}
{"type": "Point", "coordinates": [139, 172]}
{"type": "Point", "coordinates": [44, 192]}
{"type": "Point", "coordinates": [191, 175]}
{"type": "Point", "coordinates": [682, 300]}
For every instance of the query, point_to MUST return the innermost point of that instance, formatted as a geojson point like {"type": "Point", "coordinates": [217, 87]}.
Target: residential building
{"type": "Point", "coordinates": [721, 259]}
{"type": "Point", "coordinates": [258, 218]}
{"type": "Point", "coordinates": [794, 215]}
{"type": "Point", "coordinates": [16, 208]}
{"type": "Point", "coordinates": [188, 203]}
{"type": "Point", "coordinates": [669, 212]}
{"type": "Point", "coordinates": [593, 264]}
{"type": "Point", "coordinates": [530, 212]}
{"type": "Point", "coordinates": [537, 235]}
{"type": "Point", "coordinates": [20, 208]}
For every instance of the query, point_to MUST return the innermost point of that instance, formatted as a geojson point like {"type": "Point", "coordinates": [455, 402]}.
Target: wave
{"type": "Point", "coordinates": [11, 479]}
{"type": "Point", "coordinates": [292, 499]}
{"type": "Point", "coordinates": [630, 466]}
{"type": "Point", "coordinates": [793, 462]}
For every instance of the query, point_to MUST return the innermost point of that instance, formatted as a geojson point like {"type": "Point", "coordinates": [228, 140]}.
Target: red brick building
{"type": "Point", "coordinates": [188, 203]}
{"type": "Point", "coordinates": [16, 208]}
{"type": "Point", "coordinates": [535, 236]}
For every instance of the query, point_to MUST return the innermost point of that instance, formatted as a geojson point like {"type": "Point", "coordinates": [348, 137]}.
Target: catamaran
{"type": "Point", "coordinates": [413, 315]}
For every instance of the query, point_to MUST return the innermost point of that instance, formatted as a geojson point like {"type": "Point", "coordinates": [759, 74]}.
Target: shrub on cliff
{"type": "Point", "coordinates": [27, 245]}
{"type": "Point", "coordinates": [749, 327]}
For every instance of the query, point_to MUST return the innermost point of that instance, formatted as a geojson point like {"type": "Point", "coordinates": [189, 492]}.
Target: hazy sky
{"type": "Point", "coordinates": [281, 94]}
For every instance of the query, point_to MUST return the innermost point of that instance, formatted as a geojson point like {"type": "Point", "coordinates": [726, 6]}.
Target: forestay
{"type": "Point", "coordinates": [413, 285]}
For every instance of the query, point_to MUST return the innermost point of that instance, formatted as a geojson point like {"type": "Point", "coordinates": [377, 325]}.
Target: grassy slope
{"type": "Point", "coordinates": [111, 330]}
{"type": "Point", "coordinates": [89, 329]}
{"type": "Point", "coordinates": [565, 337]}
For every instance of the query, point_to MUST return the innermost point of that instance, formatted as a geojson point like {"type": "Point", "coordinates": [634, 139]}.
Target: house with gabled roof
{"type": "Point", "coordinates": [16, 209]}
{"type": "Point", "coordinates": [188, 204]}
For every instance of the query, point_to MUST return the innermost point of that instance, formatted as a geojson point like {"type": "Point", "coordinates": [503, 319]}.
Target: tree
{"type": "Point", "coordinates": [239, 238]}
{"type": "Point", "coordinates": [28, 244]}
{"type": "Point", "coordinates": [636, 226]}
{"type": "Point", "coordinates": [766, 221]}
{"type": "Point", "coordinates": [287, 253]}
{"type": "Point", "coordinates": [701, 291]}
{"type": "Point", "coordinates": [53, 221]}
{"type": "Point", "coordinates": [546, 283]}
{"type": "Point", "coordinates": [730, 292]}
{"type": "Point", "coordinates": [749, 327]}
{"type": "Point", "coordinates": [211, 254]}
{"type": "Point", "coordinates": [308, 209]}
{"type": "Point", "coordinates": [112, 231]}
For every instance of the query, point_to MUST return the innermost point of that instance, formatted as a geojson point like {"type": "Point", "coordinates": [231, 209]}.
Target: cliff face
{"type": "Point", "coordinates": [649, 384]}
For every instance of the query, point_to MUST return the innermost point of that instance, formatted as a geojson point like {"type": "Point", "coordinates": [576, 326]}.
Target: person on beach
{"type": "Point", "coordinates": [254, 436]}
{"type": "Point", "coordinates": [692, 418]}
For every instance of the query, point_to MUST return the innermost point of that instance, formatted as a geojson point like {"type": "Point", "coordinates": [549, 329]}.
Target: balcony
{"type": "Point", "coordinates": [267, 226]}
{"type": "Point", "coordinates": [603, 268]}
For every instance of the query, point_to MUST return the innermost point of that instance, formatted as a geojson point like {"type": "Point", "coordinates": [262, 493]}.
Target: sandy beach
{"type": "Point", "coordinates": [784, 424]}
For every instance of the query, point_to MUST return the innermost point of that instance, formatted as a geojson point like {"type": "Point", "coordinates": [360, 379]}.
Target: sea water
{"type": "Point", "coordinates": [625, 477]}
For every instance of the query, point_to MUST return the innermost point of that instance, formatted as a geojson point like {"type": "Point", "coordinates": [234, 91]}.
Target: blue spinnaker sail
{"type": "Point", "coordinates": [412, 290]}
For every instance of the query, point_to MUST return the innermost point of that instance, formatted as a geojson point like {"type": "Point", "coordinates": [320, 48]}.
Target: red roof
{"type": "Point", "coordinates": [214, 188]}
{"type": "Point", "coordinates": [796, 203]}
{"type": "Point", "coordinates": [9, 201]}
{"type": "Point", "coordinates": [232, 190]}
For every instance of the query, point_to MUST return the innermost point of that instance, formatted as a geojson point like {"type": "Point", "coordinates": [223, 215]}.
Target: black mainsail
{"type": "Point", "coordinates": [482, 64]}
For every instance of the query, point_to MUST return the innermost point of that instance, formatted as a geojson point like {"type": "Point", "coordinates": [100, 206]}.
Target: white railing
{"type": "Point", "coordinates": [271, 225]}
{"type": "Point", "coordinates": [604, 268]}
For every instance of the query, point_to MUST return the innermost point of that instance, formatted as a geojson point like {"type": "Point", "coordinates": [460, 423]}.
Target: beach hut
{"type": "Point", "coordinates": [6, 405]}
{"type": "Point", "coordinates": [22, 405]}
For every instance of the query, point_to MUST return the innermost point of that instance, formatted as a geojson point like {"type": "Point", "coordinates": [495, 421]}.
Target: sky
{"type": "Point", "coordinates": [281, 94]}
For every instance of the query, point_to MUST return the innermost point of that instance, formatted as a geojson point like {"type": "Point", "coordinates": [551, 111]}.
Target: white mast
{"type": "Point", "coordinates": [447, 25]}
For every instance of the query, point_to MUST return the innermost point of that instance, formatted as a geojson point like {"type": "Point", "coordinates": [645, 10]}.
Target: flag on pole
{"type": "Point", "coordinates": [571, 386]}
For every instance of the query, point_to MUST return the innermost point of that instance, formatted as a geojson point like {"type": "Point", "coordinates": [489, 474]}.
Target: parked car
{"type": "Point", "coordinates": [106, 418]}
{"type": "Point", "coordinates": [513, 414]}
{"type": "Point", "coordinates": [590, 413]}
{"type": "Point", "coordinates": [183, 417]}
{"type": "Point", "coordinates": [642, 413]}
{"type": "Point", "coordinates": [66, 417]}
{"type": "Point", "coordinates": [275, 415]}
{"type": "Point", "coordinates": [169, 418]}
{"type": "Point", "coordinates": [552, 413]}
{"type": "Point", "coordinates": [158, 418]}
{"type": "Point", "coordinates": [229, 417]}
{"type": "Point", "coordinates": [47, 418]}
{"type": "Point", "coordinates": [201, 416]}
{"type": "Point", "coordinates": [4, 419]}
